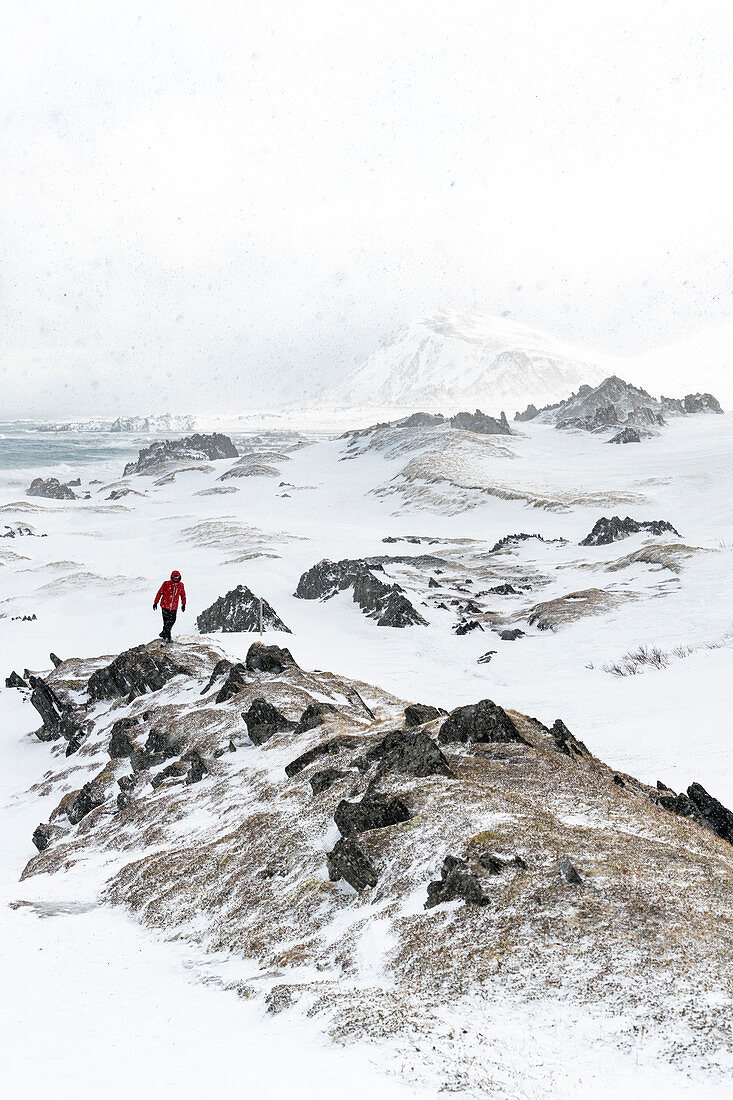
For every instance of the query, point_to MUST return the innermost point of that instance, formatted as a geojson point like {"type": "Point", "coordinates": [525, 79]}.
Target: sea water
{"type": "Point", "coordinates": [26, 453]}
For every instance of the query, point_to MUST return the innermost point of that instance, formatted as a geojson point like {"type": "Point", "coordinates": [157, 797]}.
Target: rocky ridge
{"type": "Point", "coordinates": [192, 448]}
{"type": "Point", "coordinates": [239, 610]}
{"type": "Point", "coordinates": [494, 848]}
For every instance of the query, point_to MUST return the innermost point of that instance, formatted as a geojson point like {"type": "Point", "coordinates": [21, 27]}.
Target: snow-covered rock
{"type": "Point", "coordinates": [194, 447]}
{"type": "Point", "coordinates": [239, 610]}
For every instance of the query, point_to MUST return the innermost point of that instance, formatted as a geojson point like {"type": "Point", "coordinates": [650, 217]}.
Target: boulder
{"type": "Point", "coordinates": [568, 873]}
{"type": "Point", "coordinates": [192, 448]}
{"type": "Point", "coordinates": [321, 781]}
{"type": "Point", "coordinates": [133, 673]}
{"type": "Point", "coordinates": [479, 722]}
{"type": "Point", "coordinates": [348, 862]}
{"type": "Point", "coordinates": [42, 836]}
{"type": "Point", "coordinates": [51, 488]}
{"type": "Point", "coordinates": [314, 715]}
{"type": "Point", "coordinates": [59, 718]}
{"type": "Point", "coordinates": [239, 611]}
{"type": "Point", "coordinates": [409, 753]}
{"type": "Point", "coordinates": [511, 634]}
{"type": "Point", "coordinates": [606, 531]}
{"type": "Point", "coordinates": [371, 813]}
{"type": "Point", "coordinates": [627, 435]}
{"type": "Point", "coordinates": [84, 801]}
{"type": "Point", "coordinates": [326, 748]}
{"type": "Point", "coordinates": [121, 743]}
{"type": "Point", "coordinates": [221, 668]}
{"type": "Point", "coordinates": [419, 713]}
{"type": "Point", "coordinates": [15, 681]}
{"type": "Point", "coordinates": [456, 882]}
{"type": "Point", "coordinates": [268, 658]}
{"type": "Point", "coordinates": [235, 681]}
{"type": "Point", "coordinates": [264, 720]}
{"type": "Point", "coordinates": [55, 661]}
{"type": "Point", "coordinates": [197, 768]}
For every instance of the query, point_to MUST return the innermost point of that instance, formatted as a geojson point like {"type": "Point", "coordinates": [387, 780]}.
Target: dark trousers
{"type": "Point", "coordinates": [169, 617]}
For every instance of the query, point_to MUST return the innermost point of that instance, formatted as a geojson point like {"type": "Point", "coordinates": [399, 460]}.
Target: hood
{"type": "Point", "coordinates": [175, 576]}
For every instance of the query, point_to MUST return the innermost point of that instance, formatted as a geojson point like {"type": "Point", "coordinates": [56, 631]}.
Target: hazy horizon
{"type": "Point", "coordinates": [237, 207]}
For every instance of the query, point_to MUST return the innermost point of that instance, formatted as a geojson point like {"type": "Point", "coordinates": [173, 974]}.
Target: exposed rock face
{"type": "Point", "coordinates": [55, 661]}
{"type": "Point", "coordinates": [606, 531]}
{"type": "Point", "coordinates": [513, 540]}
{"type": "Point", "coordinates": [377, 598]}
{"type": "Point", "coordinates": [263, 720]}
{"type": "Point", "coordinates": [85, 800]}
{"type": "Point", "coordinates": [701, 807]}
{"type": "Point", "coordinates": [409, 753]}
{"type": "Point", "coordinates": [121, 742]}
{"type": "Point", "coordinates": [221, 669]}
{"type": "Point", "coordinates": [466, 626]}
{"type": "Point", "coordinates": [235, 681]}
{"type": "Point", "coordinates": [51, 488]}
{"type": "Point", "coordinates": [192, 448]}
{"type": "Point", "coordinates": [617, 404]}
{"type": "Point", "coordinates": [133, 673]}
{"type": "Point", "coordinates": [42, 837]}
{"type": "Point", "coordinates": [321, 781]}
{"type": "Point", "coordinates": [238, 611]}
{"type": "Point", "coordinates": [347, 861]}
{"type": "Point", "coordinates": [627, 435]}
{"type": "Point", "coordinates": [15, 681]}
{"type": "Point", "coordinates": [268, 658]}
{"type": "Point", "coordinates": [569, 873]}
{"type": "Point", "coordinates": [419, 713]}
{"type": "Point", "coordinates": [481, 423]}
{"type": "Point", "coordinates": [456, 882]}
{"type": "Point", "coordinates": [326, 748]}
{"type": "Point", "coordinates": [314, 715]}
{"type": "Point", "coordinates": [566, 742]}
{"type": "Point", "coordinates": [371, 813]}
{"type": "Point", "coordinates": [511, 634]}
{"type": "Point", "coordinates": [59, 718]}
{"type": "Point", "coordinates": [484, 721]}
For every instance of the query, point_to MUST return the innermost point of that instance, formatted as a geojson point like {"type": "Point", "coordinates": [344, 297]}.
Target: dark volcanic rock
{"type": "Point", "coordinates": [504, 590]}
{"type": "Point", "coordinates": [51, 488]}
{"type": "Point", "coordinates": [221, 668]}
{"type": "Point", "coordinates": [121, 743]}
{"type": "Point", "coordinates": [485, 658]}
{"type": "Point", "coordinates": [419, 713]}
{"type": "Point", "coordinates": [86, 800]}
{"type": "Point", "coordinates": [55, 661]}
{"type": "Point", "coordinates": [326, 748]}
{"type": "Point", "coordinates": [481, 423]}
{"type": "Point", "coordinates": [347, 861]}
{"type": "Point", "coordinates": [457, 881]}
{"type": "Point", "coordinates": [628, 435]}
{"type": "Point", "coordinates": [511, 634]}
{"type": "Point", "coordinates": [238, 611]}
{"type": "Point", "coordinates": [177, 770]}
{"type": "Point", "coordinates": [268, 658]}
{"type": "Point", "coordinates": [134, 672]}
{"type": "Point", "coordinates": [15, 681]}
{"type": "Point", "coordinates": [193, 448]}
{"type": "Point", "coordinates": [371, 813]}
{"type": "Point", "coordinates": [466, 626]}
{"type": "Point", "coordinates": [263, 720]}
{"type": "Point", "coordinates": [377, 598]}
{"type": "Point", "coordinates": [314, 715]}
{"type": "Point", "coordinates": [235, 681]}
{"type": "Point", "coordinates": [569, 873]}
{"type": "Point", "coordinates": [42, 837]}
{"type": "Point", "coordinates": [479, 722]}
{"type": "Point", "coordinates": [702, 807]}
{"type": "Point", "coordinates": [59, 718]}
{"type": "Point", "coordinates": [409, 753]}
{"type": "Point", "coordinates": [321, 781]}
{"type": "Point", "coordinates": [606, 531]}
{"type": "Point", "coordinates": [197, 768]}
{"type": "Point", "coordinates": [514, 540]}
{"type": "Point", "coordinates": [566, 742]}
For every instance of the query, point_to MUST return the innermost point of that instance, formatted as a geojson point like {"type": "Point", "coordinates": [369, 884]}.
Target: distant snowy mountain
{"type": "Point", "coordinates": [451, 360]}
{"type": "Point", "coordinates": [455, 360]}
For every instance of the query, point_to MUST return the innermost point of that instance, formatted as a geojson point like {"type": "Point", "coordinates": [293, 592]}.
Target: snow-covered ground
{"type": "Point", "coordinates": [80, 973]}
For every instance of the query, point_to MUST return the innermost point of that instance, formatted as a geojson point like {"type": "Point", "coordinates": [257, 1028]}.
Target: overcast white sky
{"type": "Point", "coordinates": [207, 204]}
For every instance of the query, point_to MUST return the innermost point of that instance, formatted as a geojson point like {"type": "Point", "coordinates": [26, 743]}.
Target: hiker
{"type": "Point", "coordinates": [168, 596]}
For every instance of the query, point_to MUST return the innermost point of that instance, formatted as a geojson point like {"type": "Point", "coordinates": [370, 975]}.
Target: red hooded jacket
{"type": "Point", "coordinates": [169, 594]}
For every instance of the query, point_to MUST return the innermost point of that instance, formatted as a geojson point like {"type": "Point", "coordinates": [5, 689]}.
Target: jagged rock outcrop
{"type": "Point", "coordinates": [263, 721]}
{"type": "Point", "coordinates": [134, 672]}
{"type": "Point", "coordinates": [239, 610]}
{"type": "Point", "coordinates": [481, 423]}
{"type": "Point", "coordinates": [701, 807]}
{"type": "Point", "coordinates": [457, 881]}
{"type": "Point", "coordinates": [348, 862]}
{"type": "Point", "coordinates": [419, 713]}
{"type": "Point", "coordinates": [566, 742]}
{"type": "Point", "coordinates": [122, 738]}
{"type": "Point", "coordinates": [235, 681]}
{"type": "Point", "coordinates": [15, 681]}
{"type": "Point", "coordinates": [54, 659]}
{"type": "Point", "coordinates": [627, 435]}
{"type": "Point", "coordinates": [51, 488]}
{"type": "Point", "coordinates": [193, 448]}
{"type": "Point", "coordinates": [19, 530]}
{"type": "Point", "coordinates": [483, 721]}
{"type": "Point", "coordinates": [332, 747]}
{"type": "Point", "coordinates": [268, 658]}
{"type": "Point", "coordinates": [372, 812]}
{"type": "Point", "coordinates": [314, 715]}
{"type": "Point", "coordinates": [408, 753]}
{"type": "Point", "coordinates": [511, 634]}
{"type": "Point", "coordinates": [606, 531]}
{"type": "Point", "coordinates": [618, 404]}
{"type": "Point", "coordinates": [59, 718]}
{"type": "Point", "coordinates": [377, 598]}
{"type": "Point", "coordinates": [513, 540]}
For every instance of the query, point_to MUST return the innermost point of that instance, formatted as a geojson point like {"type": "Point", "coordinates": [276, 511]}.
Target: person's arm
{"type": "Point", "coordinates": [156, 601]}
{"type": "Point", "coordinates": [183, 598]}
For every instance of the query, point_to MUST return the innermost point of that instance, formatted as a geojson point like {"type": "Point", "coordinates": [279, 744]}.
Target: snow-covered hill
{"type": "Point", "coordinates": [451, 360]}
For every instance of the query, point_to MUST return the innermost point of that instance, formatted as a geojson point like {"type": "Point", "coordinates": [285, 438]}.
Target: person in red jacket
{"type": "Point", "coordinates": [169, 593]}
